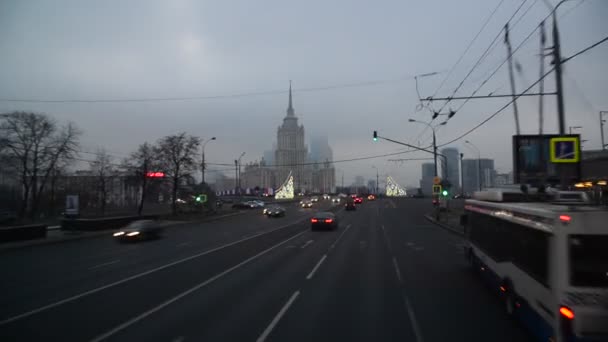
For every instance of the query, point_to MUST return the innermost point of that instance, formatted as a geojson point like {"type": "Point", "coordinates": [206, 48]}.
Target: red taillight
{"type": "Point", "coordinates": [566, 312]}
{"type": "Point", "coordinates": [565, 218]}
{"type": "Point", "coordinates": [329, 221]}
{"type": "Point", "coordinates": [314, 220]}
{"type": "Point", "coordinates": [503, 289]}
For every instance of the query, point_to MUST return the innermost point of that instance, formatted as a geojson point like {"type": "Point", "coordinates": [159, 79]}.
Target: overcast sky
{"type": "Point", "coordinates": [85, 50]}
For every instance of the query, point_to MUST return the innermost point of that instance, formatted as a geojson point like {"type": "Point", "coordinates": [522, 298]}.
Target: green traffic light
{"type": "Point", "coordinates": [444, 192]}
{"type": "Point", "coordinates": [198, 198]}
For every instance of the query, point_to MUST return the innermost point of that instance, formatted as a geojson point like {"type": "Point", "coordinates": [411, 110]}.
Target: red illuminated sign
{"type": "Point", "coordinates": [155, 174]}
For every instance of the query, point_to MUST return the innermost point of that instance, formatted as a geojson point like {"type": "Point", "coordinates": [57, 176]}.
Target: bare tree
{"type": "Point", "coordinates": [177, 157]}
{"type": "Point", "coordinates": [139, 164]}
{"type": "Point", "coordinates": [103, 170]}
{"type": "Point", "coordinates": [36, 146]}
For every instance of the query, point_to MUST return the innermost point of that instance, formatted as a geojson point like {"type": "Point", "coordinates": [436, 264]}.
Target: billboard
{"type": "Point", "coordinates": [532, 160]}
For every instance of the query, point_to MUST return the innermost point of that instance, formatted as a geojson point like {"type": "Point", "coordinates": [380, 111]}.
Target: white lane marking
{"type": "Point", "coordinates": [189, 291]}
{"type": "Point", "coordinates": [413, 319]}
{"type": "Point", "coordinates": [53, 227]}
{"type": "Point", "coordinates": [339, 237]}
{"type": "Point", "coordinates": [179, 339]}
{"type": "Point", "coordinates": [104, 264]}
{"type": "Point", "coordinates": [184, 244]}
{"type": "Point", "coordinates": [277, 318]}
{"type": "Point", "coordinates": [136, 276]}
{"type": "Point", "coordinates": [312, 273]}
{"type": "Point", "coordinates": [397, 270]}
{"type": "Point", "coordinates": [388, 245]}
{"type": "Point", "coordinates": [307, 243]}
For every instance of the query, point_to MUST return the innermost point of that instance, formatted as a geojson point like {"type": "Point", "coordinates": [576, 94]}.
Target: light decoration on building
{"type": "Point", "coordinates": [286, 190]}
{"type": "Point", "coordinates": [393, 189]}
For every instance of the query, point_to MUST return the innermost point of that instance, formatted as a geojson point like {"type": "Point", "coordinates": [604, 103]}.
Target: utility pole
{"type": "Point", "coordinates": [510, 59]}
{"type": "Point", "coordinates": [602, 113]}
{"type": "Point", "coordinates": [541, 85]}
{"type": "Point", "coordinates": [461, 176]}
{"type": "Point", "coordinates": [557, 60]}
{"type": "Point", "coordinates": [377, 182]}
{"type": "Point", "coordinates": [236, 176]}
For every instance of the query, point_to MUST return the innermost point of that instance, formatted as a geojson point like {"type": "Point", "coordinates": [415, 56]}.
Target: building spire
{"type": "Point", "coordinates": [290, 111]}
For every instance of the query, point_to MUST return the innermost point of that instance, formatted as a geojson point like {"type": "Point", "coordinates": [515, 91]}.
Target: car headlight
{"type": "Point", "coordinates": [119, 234]}
{"type": "Point", "coordinates": [132, 233]}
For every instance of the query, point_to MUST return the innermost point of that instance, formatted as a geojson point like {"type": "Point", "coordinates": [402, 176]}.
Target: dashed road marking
{"type": "Point", "coordinates": [104, 264]}
{"type": "Point", "coordinates": [307, 243]}
{"type": "Point", "coordinates": [277, 318]}
{"type": "Point", "coordinates": [397, 270]}
{"type": "Point", "coordinates": [339, 237]}
{"type": "Point", "coordinates": [312, 273]}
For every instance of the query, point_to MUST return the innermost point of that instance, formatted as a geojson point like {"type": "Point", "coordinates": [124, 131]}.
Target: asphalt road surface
{"type": "Point", "coordinates": [386, 274]}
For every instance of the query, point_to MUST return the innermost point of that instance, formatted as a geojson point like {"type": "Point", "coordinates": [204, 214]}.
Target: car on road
{"type": "Point", "coordinates": [326, 196]}
{"type": "Point", "coordinates": [245, 205]}
{"type": "Point", "coordinates": [306, 204]}
{"type": "Point", "coordinates": [259, 203]}
{"type": "Point", "coordinates": [324, 221]}
{"type": "Point", "coordinates": [371, 198]}
{"type": "Point", "coordinates": [358, 200]}
{"type": "Point", "coordinates": [139, 230]}
{"type": "Point", "coordinates": [274, 211]}
{"type": "Point", "coordinates": [314, 199]}
{"type": "Point", "coordinates": [350, 205]}
{"type": "Point", "coordinates": [335, 200]}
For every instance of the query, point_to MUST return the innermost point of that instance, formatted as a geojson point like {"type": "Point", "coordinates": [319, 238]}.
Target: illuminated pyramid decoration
{"type": "Point", "coordinates": [286, 190]}
{"type": "Point", "coordinates": [393, 189]}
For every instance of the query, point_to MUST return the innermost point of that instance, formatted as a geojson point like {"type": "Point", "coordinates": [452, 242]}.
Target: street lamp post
{"type": "Point", "coordinates": [377, 178]}
{"type": "Point", "coordinates": [203, 166]}
{"type": "Point", "coordinates": [478, 163]}
{"type": "Point", "coordinates": [239, 172]}
{"type": "Point", "coordinates": [434, 139]}
{"type": "Point", "coordinates": [602, 121]}
{"type": "Point", "coordinates": [461, 176]}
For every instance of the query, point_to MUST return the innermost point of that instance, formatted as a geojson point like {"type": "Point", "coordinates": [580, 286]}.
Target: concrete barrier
{"type": "Point", "coordinates": [102, 223]}
{"type": "Point", "coordinates": [18, 233]}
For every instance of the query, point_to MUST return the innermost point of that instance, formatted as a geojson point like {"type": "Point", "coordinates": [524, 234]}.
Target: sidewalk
{"type": "Point", "coordinates": [55, 235]}
{"type": "Point", "coordinates": [448, 220]}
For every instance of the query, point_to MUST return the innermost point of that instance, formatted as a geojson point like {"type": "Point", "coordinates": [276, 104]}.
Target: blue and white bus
{"type": "Point", "coordinates": [548, 260]}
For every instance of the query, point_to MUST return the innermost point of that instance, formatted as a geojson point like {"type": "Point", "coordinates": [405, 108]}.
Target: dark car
{"type": "Point", "coordinates": [139, 230]}
{"type": "Point", "coordinates": [274, 211]}
{"type": "Point", "coordinates": [324, 221]}
{"type": "Point", "coordinates": [244, 205]}
{"type": "Point", "coordinates": [350, 205]}
{"type": "Point", "coordinates": [358, 200]}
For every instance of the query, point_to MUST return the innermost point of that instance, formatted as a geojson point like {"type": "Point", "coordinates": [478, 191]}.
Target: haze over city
{"type": "Point", "coordinates": [67, 50]}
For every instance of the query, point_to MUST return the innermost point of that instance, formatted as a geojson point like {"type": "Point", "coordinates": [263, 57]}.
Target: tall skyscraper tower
{"type": "Point", "coordinates": [291, 152]}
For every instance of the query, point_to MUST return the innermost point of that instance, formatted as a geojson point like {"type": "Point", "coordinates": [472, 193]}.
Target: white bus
{"type": "Point", "coordinates": [548, 260]}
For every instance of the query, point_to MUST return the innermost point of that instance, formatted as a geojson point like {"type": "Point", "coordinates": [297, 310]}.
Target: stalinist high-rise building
{"type": "Point", "coordinates": [291, 153]}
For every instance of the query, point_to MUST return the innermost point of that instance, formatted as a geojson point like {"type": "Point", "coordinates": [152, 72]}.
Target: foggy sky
{"type": "Point", "coordinates": [83, 50]}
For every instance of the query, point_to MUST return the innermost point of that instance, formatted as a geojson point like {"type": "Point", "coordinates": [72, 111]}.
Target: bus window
{"type": "Point", "coordinates": [589, 260]}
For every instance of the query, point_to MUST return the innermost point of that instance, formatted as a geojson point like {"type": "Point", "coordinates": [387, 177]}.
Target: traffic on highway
{"type": "Point", "coordinates": [365, 275]}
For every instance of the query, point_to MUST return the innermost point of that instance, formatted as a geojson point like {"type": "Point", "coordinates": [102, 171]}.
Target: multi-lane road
{"type": "Point", "coordinates": [386, 274]}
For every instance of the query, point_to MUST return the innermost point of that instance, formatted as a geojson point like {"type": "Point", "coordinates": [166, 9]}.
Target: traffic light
{"type": "Point", "coordinates": [444, 193]}
{"type": "Point", "coordinates": [198, 198]}
{"type": "Point", "coordinates": [375, 136]}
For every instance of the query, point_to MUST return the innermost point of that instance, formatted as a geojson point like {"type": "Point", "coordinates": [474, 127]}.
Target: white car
{"type": "Point", "coordinates": [335, 200]}
{"type": "Point", "coordinates": [314, 199]}
{"type": "Point", "coordinates": [326, 196]}
{"type": "Point", "coordinates": [259, 203]}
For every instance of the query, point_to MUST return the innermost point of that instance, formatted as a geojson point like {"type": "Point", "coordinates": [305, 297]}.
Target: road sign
{"type": "Point", "coordinates": [436, 189]}
{"type": "Point", "coordinates": [564, 150]}
{"type": "Point", "coordinates": [436, 180]}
